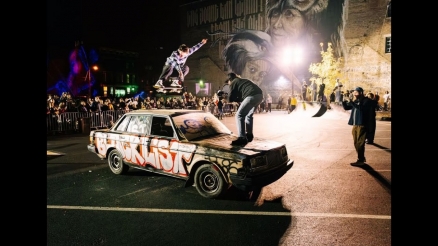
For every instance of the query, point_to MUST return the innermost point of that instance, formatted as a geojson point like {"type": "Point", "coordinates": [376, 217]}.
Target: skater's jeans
{"type": "Point", "coordinates": [168, 70]}
{"type": "Point", "coordinates": [244, 114]}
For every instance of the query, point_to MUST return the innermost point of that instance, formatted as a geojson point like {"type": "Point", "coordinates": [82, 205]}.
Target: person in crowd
{"type": "Point", "coordinates": [95, 105]}
{"type": "Point", "coordinates": [110, 104]}
{"type": "Point", "coordinates": [50, 101]}
{"type": "Point", "coordinates": [220, 108]}
{"type": "Point", "coordinates": [304, 90]}
{"type": "Point", "coordinates": [104, 105]}
{"type": "Point", "coordinates": [338, 88]}
{"type": "Point", "coordinates": [168, 104]}
{"type": "Point", "coordinates": [176, 61]}
{"type": "Point", "coordinates": [386, 99]}
{"type": "Point", "coordinates": [250, 95]}
{"type": "Point", "coordinates": [360, 118]}
{"type": "Point", "coordinates": [293, 104]}
{"type": "Point", "coordinates": [280, 102]}
{"type": "Point", "coordinates": [332, 98]}
{"type": "Point", "coordinates": [263, 105]}
{"type": "Point", "coordinates": [314, 88]}
{"type": "Point", "coordinates": [122, 104]}
{"type": "Point", "coordinates": [83, 107]}
{"type": "Point", "coordinates": [268, 103]}
{"type": "Point", "coordinates": [159, 105]}
{"type": "Point", "coordinates": [321, 90]}
{"type": "Point", "coordinates": [377, 99]}
{"type": "Point", "coordinates": [371, 131]}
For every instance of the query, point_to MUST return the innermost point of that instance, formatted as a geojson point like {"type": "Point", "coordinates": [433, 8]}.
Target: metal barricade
{"type": "Point", "coordinates": [68, 122]}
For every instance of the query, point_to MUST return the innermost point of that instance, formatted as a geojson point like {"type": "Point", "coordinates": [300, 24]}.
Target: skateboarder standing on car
{"type": "Point", "coordinates": [250, 96]}
{"type": "Point", "coordinates": [176, 61]}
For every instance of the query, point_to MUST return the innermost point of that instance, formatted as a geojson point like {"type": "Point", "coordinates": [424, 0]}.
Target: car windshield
{"type": "Point", "coordinates": [196, 125]}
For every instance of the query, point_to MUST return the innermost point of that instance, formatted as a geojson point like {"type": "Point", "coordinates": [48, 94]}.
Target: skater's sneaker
{"type": "Point", "coordinates": [240, 141]}
{"type": "Point", "coordinates": [159, 84]}
{"type": "Point", "coordinates": [249, 137]}
{"type": "Point", "coordinates": [175, 83]}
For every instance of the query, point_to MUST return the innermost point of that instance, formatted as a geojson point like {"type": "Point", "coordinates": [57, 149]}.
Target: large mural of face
{"type": "Point", "coordinates": [286, 24]}
{"type": "Point", "coordinates": [302, 24]}
{"type": "Point", "coordinates": [248, 54]}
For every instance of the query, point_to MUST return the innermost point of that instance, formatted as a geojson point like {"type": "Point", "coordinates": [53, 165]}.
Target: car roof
{"type": "Point", "coordinates": [164, 111]}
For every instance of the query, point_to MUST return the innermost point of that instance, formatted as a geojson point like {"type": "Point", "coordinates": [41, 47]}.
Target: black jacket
{"type": "Point", "coordinates": [362, 111]}
{"type": "Point", "coordinates": [241, 88]}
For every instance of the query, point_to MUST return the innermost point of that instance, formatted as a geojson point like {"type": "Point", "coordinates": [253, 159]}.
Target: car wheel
{"type": "Point", "coordinates": [115, 162]}
{"type": "Point", "coordinates": [209, 181]}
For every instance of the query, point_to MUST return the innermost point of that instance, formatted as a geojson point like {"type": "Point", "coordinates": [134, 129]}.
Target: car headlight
{"type": "Point", "coordinates": [258, 161]}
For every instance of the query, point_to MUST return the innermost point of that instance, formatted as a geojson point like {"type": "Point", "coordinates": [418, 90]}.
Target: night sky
{"type": "Point", "coordinates": [133, 25]}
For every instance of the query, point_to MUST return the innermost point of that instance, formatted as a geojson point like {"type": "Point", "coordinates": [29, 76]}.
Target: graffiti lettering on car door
{"type": "Point", "coordinates": [164, 154]}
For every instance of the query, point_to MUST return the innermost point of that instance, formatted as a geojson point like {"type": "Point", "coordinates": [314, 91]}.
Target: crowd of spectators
{"type": "Point", "coordinates": [66, 103]}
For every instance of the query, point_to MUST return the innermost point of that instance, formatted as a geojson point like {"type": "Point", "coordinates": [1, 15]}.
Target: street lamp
{"type": "Point", "coordinates": [291, 57]}
{"type": "Point", "coordinates": [95, 68]}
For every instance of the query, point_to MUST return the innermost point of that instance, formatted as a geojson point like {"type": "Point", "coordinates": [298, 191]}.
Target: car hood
{"type": "Point", "coordinates": [222, 142]}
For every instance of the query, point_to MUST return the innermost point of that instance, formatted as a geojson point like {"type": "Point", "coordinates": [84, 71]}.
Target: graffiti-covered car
{"type": "Point", "coordinates": [191, 145]}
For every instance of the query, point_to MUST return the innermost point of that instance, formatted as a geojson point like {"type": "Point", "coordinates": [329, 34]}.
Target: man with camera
{"type": "Point", "coordinates": [361, 118]}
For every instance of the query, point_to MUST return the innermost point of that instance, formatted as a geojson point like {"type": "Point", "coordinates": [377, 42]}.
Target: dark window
{"type": "Point", "coordinates": [388, 45]}
{"type": "Point", "coordinates": [161, 127]}
{"type": "Point", "coordinates": [388, 10]}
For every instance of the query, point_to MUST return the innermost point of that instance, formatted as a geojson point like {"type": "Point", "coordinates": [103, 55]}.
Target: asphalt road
{"type": "Point", "coordinates": [322, 200]}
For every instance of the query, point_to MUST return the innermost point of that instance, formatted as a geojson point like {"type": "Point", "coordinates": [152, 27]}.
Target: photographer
{"type": "Point", "coordinates": [360, 118]}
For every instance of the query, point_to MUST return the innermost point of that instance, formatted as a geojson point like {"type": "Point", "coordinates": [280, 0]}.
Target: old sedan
{"type": "Point", "coordinates": [191, 145]}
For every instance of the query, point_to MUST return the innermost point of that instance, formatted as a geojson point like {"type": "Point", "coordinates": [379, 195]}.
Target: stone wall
{"type": "Point", "coordinates": [366, 63]}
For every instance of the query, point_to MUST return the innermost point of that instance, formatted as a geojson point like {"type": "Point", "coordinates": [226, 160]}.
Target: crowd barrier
{"type": "Point", "coordinates": [86, 121]}
{"type": "Point", "coordinates": [82, 121]}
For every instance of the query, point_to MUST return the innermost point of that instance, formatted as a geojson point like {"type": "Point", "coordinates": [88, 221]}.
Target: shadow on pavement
{"type": "Point", "coordinates": [382, 180]}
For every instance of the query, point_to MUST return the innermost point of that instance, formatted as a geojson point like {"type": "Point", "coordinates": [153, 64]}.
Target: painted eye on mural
{"type": "Point", "coordinates": [253, 70]}
{"type": "Point", "coordinates": [291, 13]}
{"type": "Point", "coordinates": [262, 74]}
{"type": "Point", "coordinates": [275, 13]}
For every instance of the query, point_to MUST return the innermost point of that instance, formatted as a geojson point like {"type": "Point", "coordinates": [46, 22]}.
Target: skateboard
{"type": "Point", "coordinates": [168, 88]}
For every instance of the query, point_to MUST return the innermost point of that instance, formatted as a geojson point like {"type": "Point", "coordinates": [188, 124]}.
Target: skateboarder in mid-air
{"type": "Point", "coordinates": [177, 61]}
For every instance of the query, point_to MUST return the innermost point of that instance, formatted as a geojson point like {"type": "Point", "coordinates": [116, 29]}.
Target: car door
{"type": "Point", "coordinates": [164, 145]}
{"type": "Point", "coordinates": [133, 139]}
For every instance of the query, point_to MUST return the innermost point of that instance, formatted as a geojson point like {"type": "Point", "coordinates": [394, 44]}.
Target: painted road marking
{"type": "Point", "coordinates": [156, 210]}
{"type": "Point", "coordinates": [49, 152]}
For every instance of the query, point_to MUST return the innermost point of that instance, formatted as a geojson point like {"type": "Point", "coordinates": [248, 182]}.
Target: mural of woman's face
{"type": "Point", "coordinates": [256, 70]}
{"type": "Point", "coordinates": [285, 26]}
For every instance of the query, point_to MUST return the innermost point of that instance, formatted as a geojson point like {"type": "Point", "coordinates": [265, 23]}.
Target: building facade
{"type": "Point", "coordinates": [117, 74]}
{"type": "Point", "coordinates": [364, 34]}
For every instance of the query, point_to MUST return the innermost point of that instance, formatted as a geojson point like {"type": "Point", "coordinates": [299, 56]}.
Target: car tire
{"type": "Point", "coordinates": [115, 162]}
{"type": "Point", "coordinates": [209, 182]}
